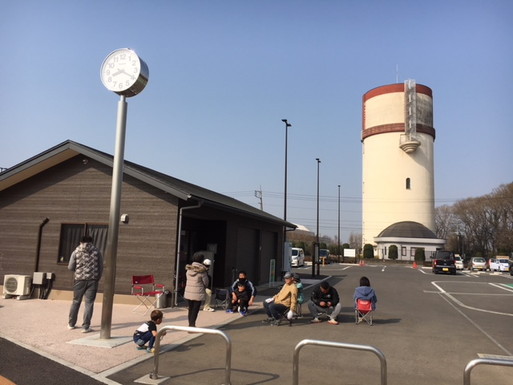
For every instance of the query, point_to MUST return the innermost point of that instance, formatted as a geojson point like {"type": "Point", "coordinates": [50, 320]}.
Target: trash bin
{"type": "Point", "coordinates": [162, 301]}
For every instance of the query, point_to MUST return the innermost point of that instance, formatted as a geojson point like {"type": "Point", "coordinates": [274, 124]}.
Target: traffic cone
{"type": "Point", "coordinates": [415, 265]}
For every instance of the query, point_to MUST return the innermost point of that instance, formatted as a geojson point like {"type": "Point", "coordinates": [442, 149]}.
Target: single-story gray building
{"type": "Point", "coordinates": [50, 200]}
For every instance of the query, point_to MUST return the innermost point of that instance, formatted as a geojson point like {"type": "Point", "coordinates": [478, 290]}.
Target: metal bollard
{"type": "Point", "coordinates": [228, 357]}
{"type": "Point", "coordinates": [376, 351]}
{"type": "Point", "coordinates": [483, 361]}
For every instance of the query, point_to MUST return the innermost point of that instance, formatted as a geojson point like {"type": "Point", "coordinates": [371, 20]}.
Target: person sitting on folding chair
{"type": "Point", "coordinates": [325, 299]}
{"type": "Point", "coordinates": [366, 293]}
{"type": "Point", "coordinates": [283, 302]}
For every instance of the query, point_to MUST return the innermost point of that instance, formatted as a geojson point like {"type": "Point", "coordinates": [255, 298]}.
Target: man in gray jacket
{"type": "Point", "coordinates": [87, 263]}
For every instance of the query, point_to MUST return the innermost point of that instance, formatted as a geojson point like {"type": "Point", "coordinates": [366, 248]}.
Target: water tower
{"type": "Point", "coordinates": [398, 167]}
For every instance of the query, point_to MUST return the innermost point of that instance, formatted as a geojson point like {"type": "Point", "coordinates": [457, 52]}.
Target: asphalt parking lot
{"type": "Point", "coordinates": [428, 327]}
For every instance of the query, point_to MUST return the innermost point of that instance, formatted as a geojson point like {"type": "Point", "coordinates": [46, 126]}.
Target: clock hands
{"type": "Point", "coordinates": [120, 71]}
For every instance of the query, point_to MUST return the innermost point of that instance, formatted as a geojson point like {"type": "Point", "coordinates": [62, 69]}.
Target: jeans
{"type": "Point", "coordinates": [331, 312]}
{"type": "Point", "coordinates": [274, 310]}
{"type": "Point", "coordinates": [141, 339]}
{"type": "Point", "coordinates": [194, 307]}
{"type": "Point", "coordinates": [87, 290]}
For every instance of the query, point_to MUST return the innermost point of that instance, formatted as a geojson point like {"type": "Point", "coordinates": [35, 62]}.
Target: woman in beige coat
{"type": "Point", "coordinates": [197, 281]}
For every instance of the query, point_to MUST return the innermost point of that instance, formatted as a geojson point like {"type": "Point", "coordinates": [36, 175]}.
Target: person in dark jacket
{"type": "Point", "coordinates": [365, 291]}
{"type": "Point", "coordinates": [250, 288]}
{"type": "Point", "coordinates": [325, 299]}
{"type": "Point", "coordinates": [240, 300]}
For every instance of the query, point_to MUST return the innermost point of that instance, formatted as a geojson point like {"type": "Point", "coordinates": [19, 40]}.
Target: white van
{"type": "Point", "coordinates": [298, 257]}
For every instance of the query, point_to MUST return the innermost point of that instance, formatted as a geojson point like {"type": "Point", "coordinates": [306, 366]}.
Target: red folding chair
{"type": "Point", "coordinates": [363, 311]}
{"type": "Point", "coordinates": [146, 290]}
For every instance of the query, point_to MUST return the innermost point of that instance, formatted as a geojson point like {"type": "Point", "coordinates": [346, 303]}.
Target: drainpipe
{"type": "Point", "coordinates": [178, 253]}
{"type": "Point", "coordinates": [39, 236]}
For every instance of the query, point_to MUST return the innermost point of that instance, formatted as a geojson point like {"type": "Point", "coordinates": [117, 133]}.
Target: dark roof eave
{"type": "Point", "coordinates": [263, 216]}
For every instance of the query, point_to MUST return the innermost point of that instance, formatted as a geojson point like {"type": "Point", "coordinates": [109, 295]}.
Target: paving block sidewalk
{"type": "Point", "coordinates": [41, 326]}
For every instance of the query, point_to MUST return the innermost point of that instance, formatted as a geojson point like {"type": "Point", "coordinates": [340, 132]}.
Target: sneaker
{"type": "Point", "coordinates": [267, 320]}
{"type": "Point", "coordinates": [71, 327]}
{"type": "Point", "coordinates": [152, 350]}
{"type": "Point", "coordinates": [229, 310]}
{"type": "Point", "coordinates": [276, 322]}
{"type": "Point", "coordinates": [243, 313]}
{"type": "Point", "coordinates": [315, 320]}
{"type": "Point", "coordinates": [87, 330]}
{"type": "Point", "coordinates": [211, 309]}
{"type": "Point", "coordinates": [144, 347]}
{"type": "Point", "coordinates": [333, 322]}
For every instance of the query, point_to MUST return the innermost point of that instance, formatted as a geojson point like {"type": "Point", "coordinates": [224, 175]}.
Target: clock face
{"type": "Point", "coordinates": [120, 70]}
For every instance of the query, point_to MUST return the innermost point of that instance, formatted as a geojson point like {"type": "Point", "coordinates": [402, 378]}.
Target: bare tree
{"type": "Point", "coordinates": [487, 222]}
{"type": "Point", "coordinates": [446, 221]}
{"type": "Point", "coordinates": [355, 241]}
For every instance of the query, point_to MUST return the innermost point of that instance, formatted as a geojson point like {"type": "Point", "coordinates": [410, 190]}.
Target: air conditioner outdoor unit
{"type": "Point", "coordinates": [16, 285]}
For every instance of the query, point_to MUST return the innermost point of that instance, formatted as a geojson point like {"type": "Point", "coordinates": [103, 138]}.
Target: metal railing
{"type": "Point", "coordinates": [376, 351]}
{"type": "Point", "coordinates": [228, 357]}
{"type": "Point", "coordinates": [483, 361]}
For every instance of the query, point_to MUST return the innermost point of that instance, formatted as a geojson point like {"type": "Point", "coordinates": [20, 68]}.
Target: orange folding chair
{"type": "Point", "coordinates": [146, 290]}
{"type": "Point", "coordinates": [363, 311]}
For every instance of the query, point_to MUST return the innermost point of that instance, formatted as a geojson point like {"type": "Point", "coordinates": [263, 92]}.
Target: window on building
{"type": "Point", "coordinates": [412, 251]}
{"type": "Point", "coordinates": [71, 233]}
{"type": "Point", "coordinates": [403, 251]}
{"type": "Point", "coordinates": [408, 184]}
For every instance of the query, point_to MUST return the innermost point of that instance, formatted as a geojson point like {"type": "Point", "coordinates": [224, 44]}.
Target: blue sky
{"type": "Point", "coordinates": [224, 73]}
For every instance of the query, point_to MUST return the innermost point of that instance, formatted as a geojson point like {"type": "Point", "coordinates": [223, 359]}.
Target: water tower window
{"type": "Point", "coordinates": [408, 184]}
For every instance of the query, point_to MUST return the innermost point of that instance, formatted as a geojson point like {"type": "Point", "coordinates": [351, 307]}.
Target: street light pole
{"type": "Point", "coordinates": [315, 258]}
{"type": "Point", "coordinates": [318, 241]}
{"type": "Point", "coordinates": [285, 249]}
{"type": "Point", "coordinates": [287, 125]}
{"type": "Point", "coordinates": [338, 250]}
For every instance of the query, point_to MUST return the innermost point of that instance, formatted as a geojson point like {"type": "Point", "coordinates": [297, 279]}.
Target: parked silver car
{"type": "Point", "coordinates": [478, 263]}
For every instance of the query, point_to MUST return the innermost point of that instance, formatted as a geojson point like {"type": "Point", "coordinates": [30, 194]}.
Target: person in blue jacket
{"type": "Point", "coordinates": [365, 291]}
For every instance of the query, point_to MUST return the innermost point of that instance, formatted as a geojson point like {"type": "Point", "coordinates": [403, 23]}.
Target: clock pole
{"type": "Point", "coordinates": [126, 74]}
{"type": "Point", "coordinates": [112, 237]}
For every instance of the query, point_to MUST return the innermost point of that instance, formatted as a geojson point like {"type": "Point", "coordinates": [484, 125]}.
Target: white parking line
{"type": "Point", "coordinates": [442, 291]}
{"type": "Point", "coordinates": [502, 286]}
{"type": "Point", "coordinates": [447, 297]}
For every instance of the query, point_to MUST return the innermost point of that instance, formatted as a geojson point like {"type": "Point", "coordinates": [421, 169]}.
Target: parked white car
{"type": "Point", "coordinates": [499, 264]}
{"type": "Point", "coordinates": [298, 257]}
{"type": "Point", "coordinates": [458, 261]}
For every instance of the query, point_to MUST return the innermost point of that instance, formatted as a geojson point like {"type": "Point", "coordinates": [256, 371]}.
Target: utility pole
{"type": "Point", "coordinates": [258, 195]}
